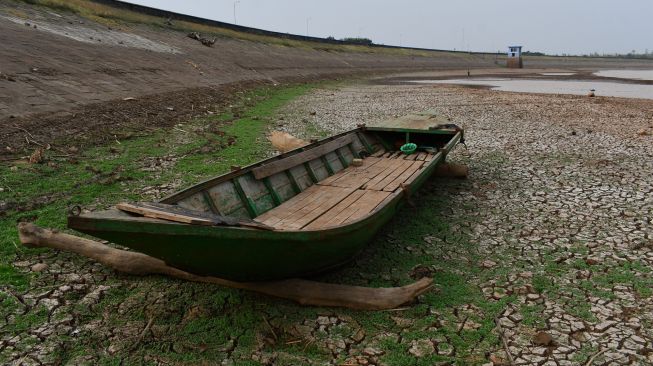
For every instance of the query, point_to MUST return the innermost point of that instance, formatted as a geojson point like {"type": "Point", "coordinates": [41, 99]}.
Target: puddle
{"type": "Point", "coordinates": [557, 73]}
{"type": "Point", "coordinates": [576, 87]}
{"type": "Point", "coordinates": [86, 34]}
{"type": "Point", "coordinates": [626, 74]}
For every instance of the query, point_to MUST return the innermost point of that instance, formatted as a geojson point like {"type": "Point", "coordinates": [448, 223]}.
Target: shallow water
{"type": "Point", "coordinates": [557, 73]}
{"type": "Point", "coordinates": [626, 74]}
{"type": "Point", "coordinates": [576, 87]}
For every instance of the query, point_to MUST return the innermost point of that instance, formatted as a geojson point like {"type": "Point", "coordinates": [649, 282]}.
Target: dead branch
{"type": "Point", "coordinates": [504, 341]}
{"type": "Point", "coordinates": [597, 354]}
{"type": "Point", "coordinates": [304, 292]}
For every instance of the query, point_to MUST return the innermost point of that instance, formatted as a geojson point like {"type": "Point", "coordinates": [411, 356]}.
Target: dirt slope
{"type": "Point", "coordinates": [68, 60]}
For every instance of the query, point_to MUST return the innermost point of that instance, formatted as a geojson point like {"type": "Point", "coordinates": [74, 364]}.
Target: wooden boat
{"type": "Point", "coordinates": [296, 214]}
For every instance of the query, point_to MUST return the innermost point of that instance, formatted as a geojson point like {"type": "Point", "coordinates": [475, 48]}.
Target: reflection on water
{"type": "Point", "coordinates": [603, 88]}
{"type": "Point", "coordinates": [626, 74]}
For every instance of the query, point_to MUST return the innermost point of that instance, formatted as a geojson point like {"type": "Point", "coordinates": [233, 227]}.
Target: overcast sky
{"type": "Point", "coordinates": [551, 26]}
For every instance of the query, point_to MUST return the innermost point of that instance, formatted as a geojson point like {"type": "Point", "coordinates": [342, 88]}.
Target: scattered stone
{"type": "Point", "coordinates": [38, 267]}
{"type": "Point", "coordinates": [420, 271]}
{"type": "Point", "coordinates": [445, 349]}
{"type": "Point", "coordinates": [601, 327]}
{"type": "Point", "coordinates": [488, 264]}
{"type": "Point", "coordinates": [421, 348]}
{"type": "Point", "coordinates": [402, 322]}
{"type": "Point", "coordinates": [527, 274]}
{"type": "Point", "coordinates": [371, 351]}
{"type": "Point", "coordinates": [497, 361]}
{"type": "Point", "coordinates": [591, 261]}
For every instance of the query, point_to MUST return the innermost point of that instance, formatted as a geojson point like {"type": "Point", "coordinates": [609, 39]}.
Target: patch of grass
{"type": "Point", "coordinates": [25, 322]}
{"type": "Point", "coordinates": [628, 274]}
{"type": "Point", "coordinates": [533, 316]}
{"type": "Point", "coordinates": [543, 283]}
{"type": "Point", "coordinates": [586, 351]}
{"type": "Point", "coordinates": [580, 308]}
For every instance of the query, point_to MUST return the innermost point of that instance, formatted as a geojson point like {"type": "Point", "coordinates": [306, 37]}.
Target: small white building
{"type": "Point", "coordinates": [514, 57]}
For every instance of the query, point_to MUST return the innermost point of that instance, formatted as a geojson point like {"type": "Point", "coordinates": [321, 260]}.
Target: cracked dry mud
{"type": "Point", "coordinates": [546, 247]}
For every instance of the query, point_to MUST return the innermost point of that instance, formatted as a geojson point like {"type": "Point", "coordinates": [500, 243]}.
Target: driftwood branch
{"type": "Point", "coordinates": [304, 292]}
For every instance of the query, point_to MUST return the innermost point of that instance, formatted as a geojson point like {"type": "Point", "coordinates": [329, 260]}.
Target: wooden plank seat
{"type": "Point", "coordinates": [345, 196]}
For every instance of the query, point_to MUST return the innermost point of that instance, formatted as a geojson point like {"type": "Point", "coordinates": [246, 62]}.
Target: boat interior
{"type": "Point", "coordinates": [325, 184]}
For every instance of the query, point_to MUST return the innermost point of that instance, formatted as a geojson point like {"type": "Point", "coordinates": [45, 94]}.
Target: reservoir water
{"type": "Point", "coordinates": [626, 74]}
{"type": "Point", "coordinates": [577, 87]}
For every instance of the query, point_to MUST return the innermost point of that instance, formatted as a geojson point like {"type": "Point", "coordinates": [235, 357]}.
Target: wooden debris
{"type": "Point", "coordinates": [208, 42]}
{"type": "Point", "coordinates": [304, 292]}
{"type": "Point", "coordinates": [37, 156]}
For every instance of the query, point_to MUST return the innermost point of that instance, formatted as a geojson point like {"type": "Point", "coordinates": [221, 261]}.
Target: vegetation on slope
{"type": "Point", "coordinates": [117, 17]}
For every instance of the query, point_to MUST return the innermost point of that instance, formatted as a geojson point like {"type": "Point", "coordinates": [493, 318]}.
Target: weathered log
{"type": "Point", "coordinates": [302, 291]}
{"type": "Point", "coordinates": [447, 170]}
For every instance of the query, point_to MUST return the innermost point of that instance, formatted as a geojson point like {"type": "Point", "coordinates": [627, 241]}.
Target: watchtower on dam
{"type": "Point", "coordinates": [514, 57]}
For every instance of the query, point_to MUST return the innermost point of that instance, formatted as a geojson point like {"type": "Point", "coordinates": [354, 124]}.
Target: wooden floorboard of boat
{"type": "Point", "coordinates": [357, 205]}
{"type": "Point", "coordinates": [309, 213]}
{"type": "Point", "coordinates": [345, 196]}
{"type": "Point", "coordinates": [279, 213]}
{"type": "Point", "coordinates": [358, 176]}
{"type": "Point", "coordinates": [394, 168]}
{"type": "Point", "coordinates": [295, 216]}
{"type": "Point", "coordinates": [390, 187]}
{"type": "Point", "coordinates": [351, 171]}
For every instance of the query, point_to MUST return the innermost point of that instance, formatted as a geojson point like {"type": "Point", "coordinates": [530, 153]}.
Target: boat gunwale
{"type": "Point", "coordinates": [142, 224]}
